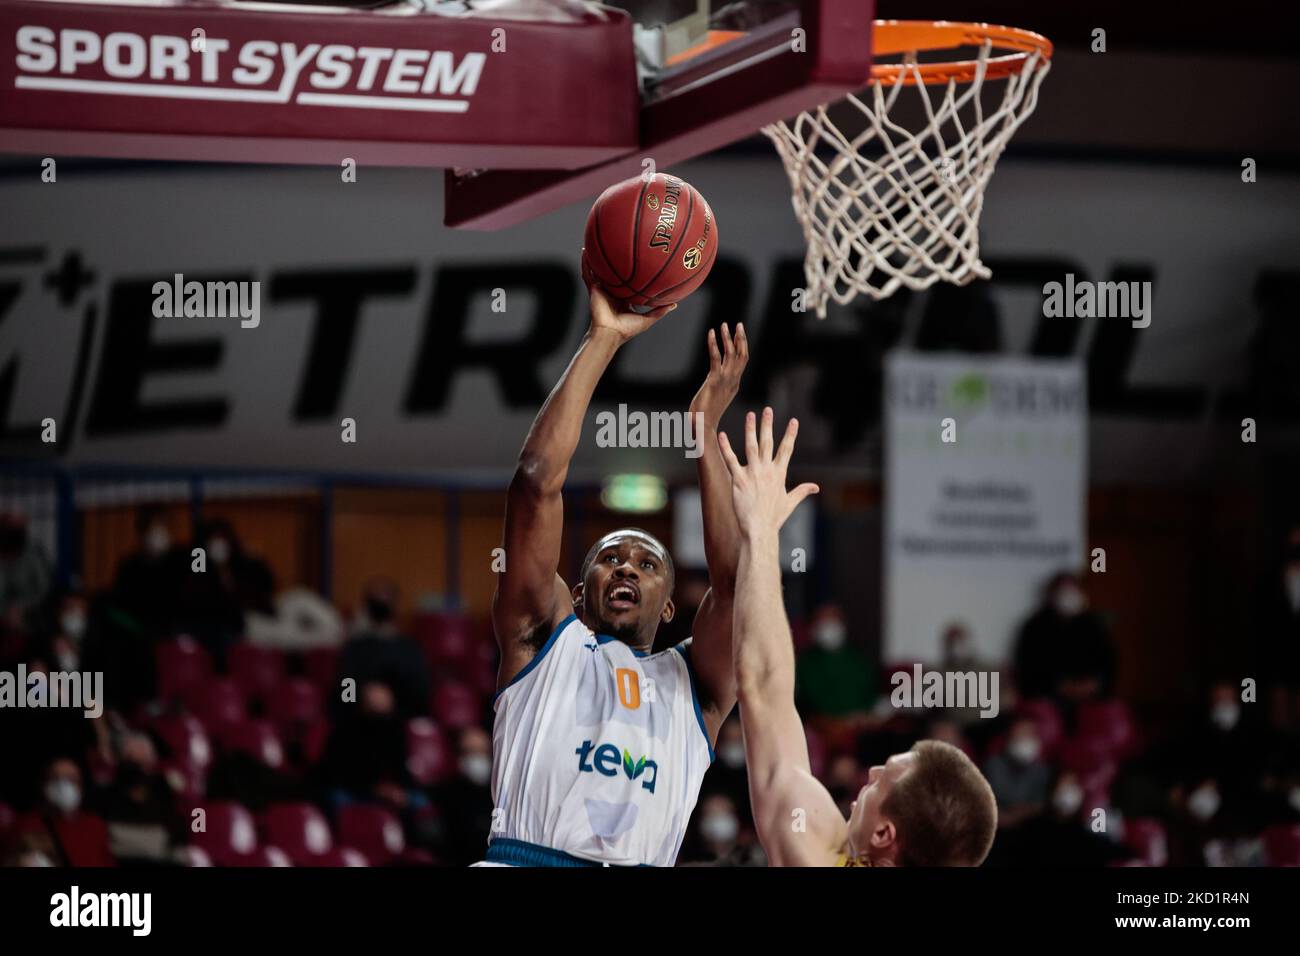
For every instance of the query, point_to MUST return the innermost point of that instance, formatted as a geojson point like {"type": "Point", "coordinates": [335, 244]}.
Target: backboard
{"type": "Point", "coordinates": [708, 75]}
{"type": "Point", "coordinates": [529, 104]}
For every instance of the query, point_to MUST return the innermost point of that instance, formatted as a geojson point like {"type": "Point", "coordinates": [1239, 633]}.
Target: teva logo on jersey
{"type": "Point", "coordinates": [256, 71]}
{"type": "Point", "coordinates": [662, 237]}
{"type": "Point", "coordinates": [606, 760]}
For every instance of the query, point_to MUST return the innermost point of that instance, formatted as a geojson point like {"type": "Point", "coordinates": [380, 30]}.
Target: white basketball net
{"type": "Point", "coordinates": [909, 213]}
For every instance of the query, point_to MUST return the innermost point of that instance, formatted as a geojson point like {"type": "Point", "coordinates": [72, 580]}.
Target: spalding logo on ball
{"type": "Point", "coordinates": [650, 241]}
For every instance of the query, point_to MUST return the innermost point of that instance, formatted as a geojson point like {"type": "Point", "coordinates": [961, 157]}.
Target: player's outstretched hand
{"type": "Point", "coordinates": [723, 380]}
{"type": "Point", "coordinates": [606, 315]}
{"type": "Point", "coordinates": [758, 486]}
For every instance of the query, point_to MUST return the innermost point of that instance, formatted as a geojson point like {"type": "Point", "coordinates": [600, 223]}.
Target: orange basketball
{"type": "Point", "coordinates": [650, 241]}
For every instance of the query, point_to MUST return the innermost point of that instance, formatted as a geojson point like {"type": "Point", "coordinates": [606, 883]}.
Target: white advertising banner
{"type": "Point", "coordinates": [985, 494]}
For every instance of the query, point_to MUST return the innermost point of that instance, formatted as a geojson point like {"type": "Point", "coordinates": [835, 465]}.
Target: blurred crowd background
{"type": "Point", "coordinates": [224, 691]}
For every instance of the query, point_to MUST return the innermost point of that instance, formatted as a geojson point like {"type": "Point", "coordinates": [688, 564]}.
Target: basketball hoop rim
{"type": "Point", "coordinates": [908, 36]}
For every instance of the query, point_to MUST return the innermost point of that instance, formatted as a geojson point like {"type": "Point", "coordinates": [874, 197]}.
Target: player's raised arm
{"type": "Point", "coordinates": [798, 822]}
{"type": "Point", "coordinates": [711, 631]}
{"type": "Point", "coordinates": [531, 598]}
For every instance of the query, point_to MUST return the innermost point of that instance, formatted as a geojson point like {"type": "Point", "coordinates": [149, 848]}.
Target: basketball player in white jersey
{"type": "Point", "coordinates": [929, 806]}
{"type": "Point", "coordinates": [599, 746]}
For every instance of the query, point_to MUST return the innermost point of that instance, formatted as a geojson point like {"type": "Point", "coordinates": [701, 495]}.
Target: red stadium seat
{"type": "Point", "coordinates": [1090, 759]}
{"type": "Point", "coordinates": [186, 738]}
{"type": "Point", "coordinates": [183, 664]}
{"type": "Point", "coordinates": [295, 704]}
{"type": "Point", "coordinates": [374, 831]}
{"type": "Point", "coordinates": [1051, 728]}
{"type": "Point", "coordinates": [321, 665]}
{"type": "Point", "coordinates": [229, 837]}
{"type": "Point", "coordinates": [300, 830]}
{"type": "Point", "coordinates": [274, 856]}
{"type": "Point", "coordinates": [257, 670]}
{"type": "Point", "coordinates": [188, 781]}
{"type": "Point", "coordinates": [457, 706]}
{"type": "Point", "coordinates": [1110, 722]}
{"type": "Point", "coordinates": [257, 738]}
{"type": "Point", "coordinates": [341, 856]}
{"type": "Point", "coordinates": [1282, 845]}
{"type": "Point", "coordinates": [446, 638]}
{"type": "Point", "coordinates": [427, 757]}
{"type": "Point", "coordinates": [219, 703]}
{"type": "Point", "coordinates": [1146, 838]}
{"type": "Point", "coordinates": [193, 856]}
{"type": "Point", "coordinates": [314, 739]}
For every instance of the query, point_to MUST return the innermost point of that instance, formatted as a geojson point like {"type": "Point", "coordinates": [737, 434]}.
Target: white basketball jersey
{"type": "Point", "coordinates": [599, 750]}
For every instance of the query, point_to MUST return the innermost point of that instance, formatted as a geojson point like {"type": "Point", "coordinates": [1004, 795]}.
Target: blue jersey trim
{"type": "Point", "coordinates": [605, 639]}
{"type": "Point", "coordinates": [537, 658]}
{"type": "Point", "coordinates": [520, 853]}
{"type": "Point", "coordinates": [684, 649]}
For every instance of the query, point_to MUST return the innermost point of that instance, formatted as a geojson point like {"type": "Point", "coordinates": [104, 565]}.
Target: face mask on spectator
{"type": "Point", "coordinates": [1225, 715]}
{"type": "Point", "coordinates": [719, 827]}
{"type": "Point", "coordinates": [732, 755]}
{"type": "Point", "coordinates": [1293, 798]}
{"type": "Point", "coordinates": [1024, 749]}
{"type": "Point", "coordinates": [157, 541]}
{"type": "Point", "coordinates": [378, 610]}
{"type": "Point", "coordinates": [63, 794]}
{"type": "Point", "coordinates": [1068, 601]}
{"type": "Point", "coordinates": [219, 550]}
{"type": "Point", "coordinates": [829, 635]}
{"type": "Point", "coordinates": [1067, 799]}
{"type": "Point", "coordinates": [73, 623]}
{"type": "Point", "coordinates": [960, 649]}
{"type": "Point", "coordinates": [67, 661]}
{"type": "Point", "coordinates": [477, 768]}
{"type": "Point", "coordinates": [1203, 803]}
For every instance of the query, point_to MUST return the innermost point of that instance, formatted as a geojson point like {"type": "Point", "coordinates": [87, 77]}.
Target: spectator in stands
{"type": "Point", "coordinates": [465, 801]}
{"type": "Point", "coordinates": [958, 648]}
{"type": "Point", "coordinates": [949, 731]}
{"type": "Point", "coordinates": [1064, 650]}
{"type": "Point", "coordinates": [148, 580]}
{"type": "Point", "coordinates": [65, 642]}
{"type": "Point", "coordinates": [1228, 746]}
{"type": "Point", "coordinates": [25, 574]}
{"type": "Point", "coordinates": [213, 602]}
{"type": "Point", "coordinates": [365, 756]}
{"type": "Point", "coordinates": [1197, 822]}
{"type": "Point", "coordinates": [1019, 776]}
{"type": "Point", "coordinates": [844, 780]}
{"type": "Point", "coordinates": [716, 837]}
{"type": "Point", "coordinates": [727, 775]}
{"type": "Point", "coordinates": [58, 832]}
{"type": "Point", "coordinates": [31, 737]}
{"type": "Point", "coordinates": [834, 678]}
{"type": "Point", "coordinates": [380, 652]}
{"type": "Point", "coordinates": [138, 804]}
{"type": "Point", "coordinates": [1059, 837]}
